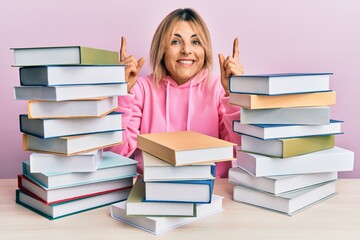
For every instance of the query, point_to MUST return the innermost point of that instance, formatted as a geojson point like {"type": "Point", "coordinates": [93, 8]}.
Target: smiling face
{"type": "Point", "coordinates": [184, 54]}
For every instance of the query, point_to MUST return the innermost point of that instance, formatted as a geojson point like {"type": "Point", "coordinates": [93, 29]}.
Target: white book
{"type": "Point", "coordinates": [70, 92]}
{"type": "Point", "coordinates": [96, 107]}
{"type": "Point", "coordinates": [331, 160]}
{"type": "Point", "coordinates": [71, 75]}
{"type": "Point", "coordinates": [274, 131]}
{"type": "Point", "coordinates": [158, 225]}
{"type": "Point", "coordinates": [113, 166]}
{"type": "Point", "coordinates": [68, 146]}
{"type": "Point", "coordinates": [298, 115]}
{"type": "Point", "coordinates": [283, 83]}
{"type": "Point", "coordinates": [156, 169]}
{"type": "Point", "coordinates": [65, 194]}
{"type": "Point", "coordinates": [290, 203]}
{"type": "Point", "coordinates": [84, 162]}
{"type": "Point", "coordinates": [278, 185]}
{"type": "Point", "coordinates": [61, 127]}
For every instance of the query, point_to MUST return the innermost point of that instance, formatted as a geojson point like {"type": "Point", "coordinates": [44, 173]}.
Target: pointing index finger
{"type": "Point", "coordinates": [236, 49]}
{"type": "Point", "coordinates": [123, 49]}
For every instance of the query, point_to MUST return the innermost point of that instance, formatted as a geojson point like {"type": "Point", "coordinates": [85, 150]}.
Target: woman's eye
{"type": "Point", "coordinates": [196, 42]}
{"type": "Point", "coordinates": [174, 42]}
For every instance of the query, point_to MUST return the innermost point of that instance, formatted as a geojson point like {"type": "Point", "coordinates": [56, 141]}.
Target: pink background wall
{"type": "Point", "coordinates": [275, 36]}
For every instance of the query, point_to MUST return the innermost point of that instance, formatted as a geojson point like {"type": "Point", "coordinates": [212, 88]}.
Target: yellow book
{"type": "Point", "coordinates": [252, 101]}
{"type": "Point", "coordinates": [185, 147]}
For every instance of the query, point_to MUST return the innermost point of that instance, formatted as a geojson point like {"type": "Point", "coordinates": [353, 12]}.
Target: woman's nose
{"type": "Point", "coordinates": [186, 49]}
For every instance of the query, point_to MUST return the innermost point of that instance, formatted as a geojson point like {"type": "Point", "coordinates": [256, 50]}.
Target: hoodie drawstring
{"type": "Point", "coordinates": [189, 107]}
{"type": "Point", "coordinates": [167, 117]}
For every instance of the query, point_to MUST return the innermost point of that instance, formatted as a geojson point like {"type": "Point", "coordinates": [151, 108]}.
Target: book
{"type": "Point", "coordinates": [63, 55]}
{"type": "Point", "coordinates": [336, 159]}
{"type": "Point", "coordinates": [290, 203]}
{"type": "Point", "coordinates": [253, 101]}
{"type": "Point", "coordinates": [158, 225]}
{"type": "Point", "coordinates": [287, 147]}
{"type": "Point", "coordinates": [85, 108]}
{"type": "Point", "coordinates": [61, 127]}
{"type": "Point", "coordinates": [193, 191]}
{"type": "Point", "coordinates": [278, 185]}
{"type": "Point", "coordinates": [58, 195]}
{"type": "Point", "coordinates": [300, 115]}
{"type": "Point", "coordinates": [84, 162]}
{"type": "Point", "coordinates": [156, 169]}
{"type": "Point", "coordinates": [63, 209]}
{"type": "Point", "coordinates": [69, 146]}
{"type": "Point", "coordinates": [113, 166]}
{"type": "Point", "coordinates": [273, 131]}
{"type": "Point", "coordinates": [136, 206]}
{"type": "Point", "coordinates": [282, 83]}
{"type": "Point", "coordinates": [69, 92]}
{"type": "Point", "coordinates": [185, 147]}
{"type": "Point", "coordinates": [71, 75]}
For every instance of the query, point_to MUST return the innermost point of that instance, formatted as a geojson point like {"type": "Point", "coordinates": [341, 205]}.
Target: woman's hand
{"type": "Point", "coordinates": [230, 66]}
{"type": "Point", "coordinates": [133, 66]}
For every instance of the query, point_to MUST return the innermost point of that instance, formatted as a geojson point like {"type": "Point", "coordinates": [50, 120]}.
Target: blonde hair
{"type": "Point", "coordinates": [164, 30]}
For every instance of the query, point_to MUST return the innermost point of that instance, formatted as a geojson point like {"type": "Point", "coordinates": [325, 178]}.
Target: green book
{"type": "Point", "coordinates": [136, 206]}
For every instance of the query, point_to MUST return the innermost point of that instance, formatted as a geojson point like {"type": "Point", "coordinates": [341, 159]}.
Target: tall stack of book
{"type": "Point", "coordinates": [177, 185]}
{"type": "Point", "coordinates": [288, 159]}
{"type": "Point", "coordinates": [72, 95]}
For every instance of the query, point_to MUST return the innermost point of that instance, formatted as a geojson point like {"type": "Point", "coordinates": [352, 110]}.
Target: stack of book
{"type": "Point", "coordinates": [72, 95]}
{"type": "Point", "coordinates": [288, 159]}
{"type": "Point", "coordinates": [177, 185]}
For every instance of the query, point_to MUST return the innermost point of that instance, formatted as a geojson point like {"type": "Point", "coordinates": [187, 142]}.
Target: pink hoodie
{"type": "Point", "coordinates": [198, 105]}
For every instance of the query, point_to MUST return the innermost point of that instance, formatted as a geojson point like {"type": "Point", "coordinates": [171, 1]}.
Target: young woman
{"type": "Point", "coordinates": [181, 93]}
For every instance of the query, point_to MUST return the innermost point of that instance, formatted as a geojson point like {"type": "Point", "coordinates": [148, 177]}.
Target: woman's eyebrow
{"type": "Point", "coordinates": [178, 35]}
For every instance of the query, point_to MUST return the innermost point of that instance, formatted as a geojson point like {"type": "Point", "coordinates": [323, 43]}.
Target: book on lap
{"type": "Point", "coordinates": [253, 101]}
{"type": "Point", "coordinates": [278, 185]}
{"type": "Point", "coordinates": [63, 55]}
{"type": "Point", "coordinates": [96, 107]}
{"type": "Point", "coordinates": [72, 75]}
{"type": "Point", "coordinates": [69, 92]}
{"type": "Point", "coordinates": [84, 162]}
{"type": "Point", "coordinates": [69, 146]}
{"type": "Point", "coordinates": [61, 127]}
{"type": "Point", "coordinates": [112, 166]}
{"type": "Point", "coordinates": [158, 225]}
{"type": "Point", "coordinates": [136, 206]}
{"type": "Point", "coordinates": [283, 83]}
{"type": "Point", "coordinates": [273, 131]}
{"type": "Point", "coordinates": [287, 147]}
{"type": "Point", "coordinates": [185, 147]}
{"type": "Point", "coordinates": [156, 169]}
{"type": "Point", "coordinates": [336, 159]}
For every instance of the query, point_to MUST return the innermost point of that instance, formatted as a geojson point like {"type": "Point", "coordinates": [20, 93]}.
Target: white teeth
{"type": "Point", "coordinates": [186, 62]}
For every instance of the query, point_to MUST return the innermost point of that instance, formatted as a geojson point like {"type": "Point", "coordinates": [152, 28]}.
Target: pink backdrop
{"type": "Point", "coordinates": [275, 36]}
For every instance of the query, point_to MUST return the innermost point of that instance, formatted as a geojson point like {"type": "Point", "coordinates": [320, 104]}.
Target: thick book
{"type": "Point", "coordinates": [63, 55]}
{"type": "Point", "coordinates": [278, 185]}
{"type": "Point", "coordinates": [136, 206]}
{"type": "Point", "coordinates": [253, 101]}
{"type": "Point", "coordinates": [63, 209]}
{"type": "Point", "coordinates": [299, 115]}
{"type": "Point", "coordinates": [290, 203]}
{"type": "Point", "coordinates": [185, 147]}
{"type": "Point", "coordinates": [58, 195]}
{"type": "Point", "coordinates": [274, 131]}
{"type": "Point", "coordinates": [69, 92]}
{"type": "Point", "coordinates": [113, 166]}
{"type": "Point", "coordinates": [192, 191]}
{"type": "Point", "coordinates": [332, 160]}
{"type": "Point", "coordinates": [71, 75]}
{"type": "Point", "coordinates": [84, 162]}
{"type": "Point", "coordinates": [156, 169]}
{"type": "Point", "coordinates": [282, 83]}
{"type": "Point", "coordinates": [69, 146]}
{"type": "Point", "coordinates": [85, 108]}
{"type": "Point", "coordinates": [158, 225]}
{"type": "Point", "coordinates": [287, 147]}
{"type": "Point", "coordinates": [62, 127]}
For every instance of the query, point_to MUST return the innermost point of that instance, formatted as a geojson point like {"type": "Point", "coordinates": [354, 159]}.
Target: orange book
{"type": "Point", "coordinates": [185, 147]}
{"type": "Point", "coordinates": [252, 101]}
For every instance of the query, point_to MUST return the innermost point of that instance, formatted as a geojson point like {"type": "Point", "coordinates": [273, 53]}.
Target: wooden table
{"type": "Point", "coordinates": [335, 218]}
